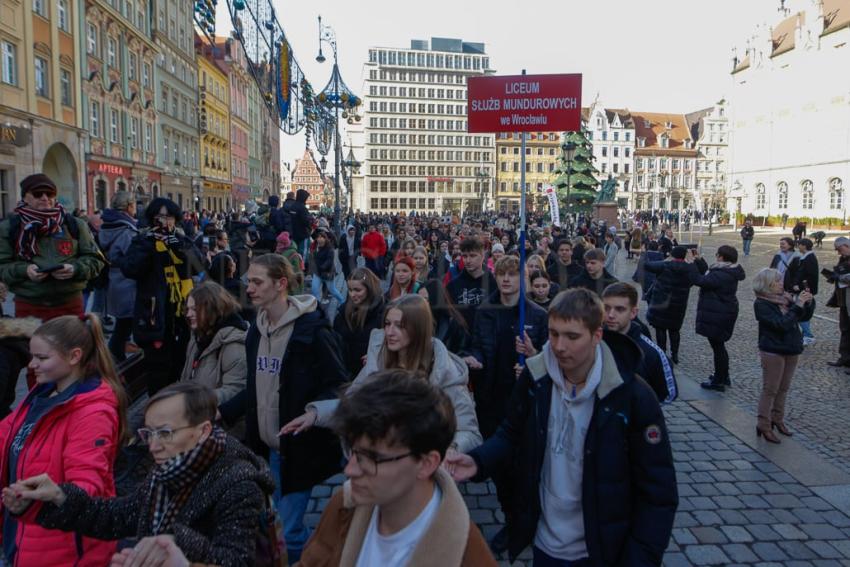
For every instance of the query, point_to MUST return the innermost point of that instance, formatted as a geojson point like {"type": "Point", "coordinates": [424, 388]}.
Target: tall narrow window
{"type": "Point", "coordinates": [761, 196]}
{"type": "Point", "coordinates": [836, 194]}
{"type": "Point", "coordinates": [91, 39]}
{"type": "Point", "coordinates": [39, 7]}
{"type": "Point", "coordinates": [134, 133]}
{"type": "Point", "coordinates": [94, 119]}
{"type": "Point", "coordinates": [113, 126]}
{"type": "Point", "coordinates": [41, 85]}
{"type": "Point", "coordinates": [65, 83]}
{"type": "Point", "coordinates": [782, 191]}
{"type": "Point", "coordinates": [111, 49]}
{"type": "Point", "coordinates": [62, 15]}
{"type": "Point", "coordinates": [10, 63]}
{"type": "Point", "coordinates": [808, 194]}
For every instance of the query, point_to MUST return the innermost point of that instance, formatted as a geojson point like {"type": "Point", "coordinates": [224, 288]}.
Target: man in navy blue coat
{"type": "Point", "coordinates": [595, 483]}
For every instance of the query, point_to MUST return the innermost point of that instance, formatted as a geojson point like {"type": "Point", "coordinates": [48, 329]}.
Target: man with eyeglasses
{"type": "Point", "coordinates": [398, 506]}
{"type": "Point", "coordinates": [47, 256]}
{"type": "Point", "coordinates": [216, 525]}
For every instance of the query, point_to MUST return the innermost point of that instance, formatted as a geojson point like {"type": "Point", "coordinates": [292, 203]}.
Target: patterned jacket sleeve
{"type": "Point", "coordinates": [101, 518]}
{"type": "Point", "coordinates": [233, 542]}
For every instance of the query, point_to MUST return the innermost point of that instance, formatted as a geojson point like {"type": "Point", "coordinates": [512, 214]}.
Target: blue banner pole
{"type": "Point", "coordinates": [522, 237]}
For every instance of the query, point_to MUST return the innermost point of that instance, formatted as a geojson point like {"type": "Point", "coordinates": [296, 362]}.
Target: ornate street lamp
{"type": "Point", "coordinates": [338, 97]}
{"type": "Point", "coordinates": [569, 150]}
{"type": "Point", "coordinates": [323, 163]}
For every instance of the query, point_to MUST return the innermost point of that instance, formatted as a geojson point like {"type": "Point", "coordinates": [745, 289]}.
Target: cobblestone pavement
{"type": "Point", "coordinates": [817, 407]}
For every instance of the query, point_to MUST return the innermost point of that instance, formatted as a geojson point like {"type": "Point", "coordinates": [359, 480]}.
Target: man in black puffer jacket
{"type": "Point", "coordinates": [595, 480]}
{"type": "Point", "coordinates": [300, 223]}
{"type": "Point", "coordinates": [668, 298]}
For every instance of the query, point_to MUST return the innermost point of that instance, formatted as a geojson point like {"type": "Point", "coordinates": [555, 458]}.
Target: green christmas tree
{"type": "Point", "coordinates": [576, 182]}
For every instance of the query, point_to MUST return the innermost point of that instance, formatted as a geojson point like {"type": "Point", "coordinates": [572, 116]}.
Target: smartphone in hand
{"type": "Point", "coordinates": [49, 269]}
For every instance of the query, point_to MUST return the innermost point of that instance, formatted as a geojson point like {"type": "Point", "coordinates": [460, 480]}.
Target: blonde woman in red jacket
{"type": "Point", "coordinates": [69, 426]}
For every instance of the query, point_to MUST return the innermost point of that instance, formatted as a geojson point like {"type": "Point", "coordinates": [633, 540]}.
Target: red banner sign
{"type": "Point", "coordinates": [524, 103]}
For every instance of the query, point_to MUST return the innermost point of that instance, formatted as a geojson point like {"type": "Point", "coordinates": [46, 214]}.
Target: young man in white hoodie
{"type": "Point", "coordinates": [293, 358]}
{"type": "Point", "coordinates": [595, 483]}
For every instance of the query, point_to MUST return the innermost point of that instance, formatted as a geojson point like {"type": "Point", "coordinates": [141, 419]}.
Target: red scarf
{"type": "Point", "coordinates": [34, 225]}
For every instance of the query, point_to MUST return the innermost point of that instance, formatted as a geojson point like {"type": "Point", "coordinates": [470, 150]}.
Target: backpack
{"type": "Point", "coordinates": [271, 548]}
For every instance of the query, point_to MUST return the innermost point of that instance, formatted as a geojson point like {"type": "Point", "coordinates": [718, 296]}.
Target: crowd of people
{"type": "Point", "coordinates": [424, 365]}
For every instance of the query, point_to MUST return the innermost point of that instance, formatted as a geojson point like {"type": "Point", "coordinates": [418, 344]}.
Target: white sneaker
{"type": "Point", "coordinates": [808, 341]}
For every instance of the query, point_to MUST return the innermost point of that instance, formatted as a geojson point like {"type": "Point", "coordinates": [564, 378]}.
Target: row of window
{"type": "Point", "coordinates": [215, 159]}
{"type": "Point", "coordinates": [113, 56]}
{"type": "Point", "coordinates": [428, 139]}
{"type": "Point", "coordinates": [421, 108]}
{"type": "Point", "coordinates": [528, 151]}
{"type": "Point", "coordinates": [11, 76]}
{"type": "Point", "coordinates": [178, 34]}
{"type": "Point", "coordinates": [184, 150]}
{"type": "Point", "coordinates": [627, 136]}
{"type": "Point", "coordinates": [176, 66]}
{"type": "Point", "coordinates": [807, 191]}
{"type": "Point", "coordinates": [503, 187]}
{"type": "Point", "coordinates": [662, 163]}
{"type": "Point", "coordinates": [413, 77]}
{"type": "Point", "coordinates": [429, 59]}
{"type": "Point", "coordinates": [412, 92]}
{"type": "Point", "coordinates": [540, 167]}
{"type": "Point", "coordinates": [117, 126]}
{"type": "Point", "coordinates": [398, 186]}
{"type": "Point", "coordinates": [430, 155]}
{"type": "Point", "coordinates": [403, 204]}
{"type": "Point", "coordinates": [239, 167]}
{"type": "Point", "coordinates": [663, 181]}
{"type": "Point", "coordinates": [63, 13]}
{"type": "Point", "coordinates": [420, 124]}
{"type": "Point", "coordinates": [430, 170]}
{"type": "Point", "coordinates": [181, 107]}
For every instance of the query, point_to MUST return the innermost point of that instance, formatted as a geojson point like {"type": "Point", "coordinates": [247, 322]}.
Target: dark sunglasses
{"type": "Point", "coordinates": [39, 193]}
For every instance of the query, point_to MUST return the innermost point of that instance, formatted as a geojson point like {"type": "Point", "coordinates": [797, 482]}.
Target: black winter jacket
{"type": "Point", "coordinates": [717, 308]}
{"type": "Point", "coordinates": [584, 280]}
{"type": "Point", "coordinates": [312, 369]}
{"type": "Point", "coordinates": [806, 272]}
{"type": "Point", "coordinates": [629, 494]}
{"type": "Point", "coordinates": [748, 233]}
{"type": "Point", "coordinates": [154, 314]}
{"type": "Point", "coordinates": [668, 298]}
{"type": "Point", "coordinates": [654, 366]}
{"type": "Point", "coordinates": [355, 343]}
{"type": "Point", "coordinates": [494, 333]}
{"type": "Point", "coordinates": [322, 262]}
{"type": "Point", "coordinates": [561, 274]}
{"type": "Point", "coordinates": [780, 333]}
{"type": "Point", "coordinates": [217, 525]}
{"type": "Point", "coordinates": [299, 222]}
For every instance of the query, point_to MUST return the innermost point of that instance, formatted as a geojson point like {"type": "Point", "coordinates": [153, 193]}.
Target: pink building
{"type": "Point", "coordinates": [231, 57]}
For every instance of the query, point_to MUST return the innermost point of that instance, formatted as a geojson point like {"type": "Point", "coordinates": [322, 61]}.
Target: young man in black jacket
{"type": "Point", "coordinates": [496, 346]}
{"type": "Point", "coordinates": [563, 269]}
{"type": "Point", "coordinates": [806, 276]}
{"type": "Point", "coordinates": [601, 490]}
{"type": "Point", "coordinates": [621, 309]}
{"type": "Point", "coordinates": [594, 276]}
{"type": "Point", "coordinates": [293, 358]}
{"type": "Point", "coordinates": [474, 284]}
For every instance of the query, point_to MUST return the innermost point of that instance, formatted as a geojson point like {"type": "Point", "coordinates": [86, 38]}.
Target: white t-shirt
{"type": "Point", "coordinates": [396, 549]}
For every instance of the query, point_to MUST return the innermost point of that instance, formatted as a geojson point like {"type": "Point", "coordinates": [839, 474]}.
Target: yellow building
{"type": "Point", "coordinates": [214, 129]}
{"type": "Point", "coordinates": [542, 150]}
{"type": "Point", "coordinates": [40, 112]}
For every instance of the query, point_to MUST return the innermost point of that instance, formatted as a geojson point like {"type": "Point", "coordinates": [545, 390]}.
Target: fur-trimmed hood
{"type": "Point", "coordinates": [23, 328]}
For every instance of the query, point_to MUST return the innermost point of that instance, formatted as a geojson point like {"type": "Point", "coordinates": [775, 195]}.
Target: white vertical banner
{"type": "Point", "coordinates": [554, 210]}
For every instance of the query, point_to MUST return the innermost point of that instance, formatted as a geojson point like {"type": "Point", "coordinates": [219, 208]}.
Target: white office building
{"type": "Point", "coordinates": [418, 155]}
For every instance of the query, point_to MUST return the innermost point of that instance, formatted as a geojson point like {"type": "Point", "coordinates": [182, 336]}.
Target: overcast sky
{"type": "Point", "coordinates": [650, 55]}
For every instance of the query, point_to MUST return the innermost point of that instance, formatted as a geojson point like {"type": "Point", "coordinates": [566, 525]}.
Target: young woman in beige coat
{"type": "Point", "coordinates": [215, 356]}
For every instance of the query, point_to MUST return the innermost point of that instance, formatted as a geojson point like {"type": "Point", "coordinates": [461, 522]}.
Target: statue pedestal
{"type": "Point", "coordinates": [606, 212]}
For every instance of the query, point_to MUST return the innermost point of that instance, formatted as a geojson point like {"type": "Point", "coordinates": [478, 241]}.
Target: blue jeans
{"type": "Point", "coordinates": [291, 509]}
{"type": "Point", "coordinates": [806, 327]}
{"type": "Point", "coordinates": [542, 559]}
{"type": "Point", "coordinates": [747, 244]}
{"type": "Point", "coordinates": [317, 289]}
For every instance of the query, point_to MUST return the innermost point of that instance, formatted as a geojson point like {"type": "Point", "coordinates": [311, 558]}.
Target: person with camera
{"type": "Point", "coordinates": [161, 260]}
{"type": "Point", "coordinates": [840, 277]}
{"type": "Point", "coordinates": [780, 343]}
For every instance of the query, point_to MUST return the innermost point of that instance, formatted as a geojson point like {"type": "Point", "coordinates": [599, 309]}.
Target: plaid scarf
{"type": "Point", "coordinates": [35, 224]}
{"type": "Point", "coordinates": [172, 481]}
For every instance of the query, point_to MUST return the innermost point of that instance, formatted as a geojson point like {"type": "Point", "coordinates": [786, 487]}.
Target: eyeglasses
{"type": "Point", "coordinates": [165, 434]}
{"type": "Point", "coordinates": [39, 193]}
{"type": "Point", "coordinates": [161, 217]}
{"type": "Point", "coordinates": [368, 462]}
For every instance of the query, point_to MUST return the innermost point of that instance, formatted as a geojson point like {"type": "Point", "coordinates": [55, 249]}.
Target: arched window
{"type": "Point", "coordinates": [782, 190]}
{"type": "Point", "coordinates": [836, 193]}
{"type": "Point", "coordinates": [808, 194]}
{"type": "Point", "coordinates": [761, 195]}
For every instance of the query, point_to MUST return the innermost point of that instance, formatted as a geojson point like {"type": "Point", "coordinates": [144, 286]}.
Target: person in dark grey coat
{"type": "Point", "coordinates": [668, 299]}
{"type": "Point", "coordinates": [118, 230]}
{"type": "Point", "coordinates": [717, 309]}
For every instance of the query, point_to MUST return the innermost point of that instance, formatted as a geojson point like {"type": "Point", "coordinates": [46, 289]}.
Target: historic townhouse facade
{"type": "Point", "coordinates": [418, 155]}
{"type": "Point", "coordinates": [177, 102]}
{"type": "Point", "coordinates": [665, 162]}
{"type": "Point", "coordinates": [306, 175]}
{"type": "Point", "coordinates": [710, 129]}
{"type": "Point", "coordinates": [542, 150]}
{"type": "Point", "coordinates": [612, 133]}
{"type": "Point", "coordinates": [231, 59]}
{"type": "Point", "coordinates": [214, 129]}
{"type": "Point", "coordinates": [789, 113]}
{"type": "Point", "coordinates": [118, 101]}
{"type": "Point", "coordinates": [40, 107]}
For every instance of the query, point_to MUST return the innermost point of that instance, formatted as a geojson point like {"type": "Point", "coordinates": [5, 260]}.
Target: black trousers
{"type": "Point", "coordinates": [661, 339]}
{"type": "Point", "coordinates": [721, 360]}
{"type": "Point", "coordinates": [120, 336]}
{"type": "Point", "coordinates": [844, 327]}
